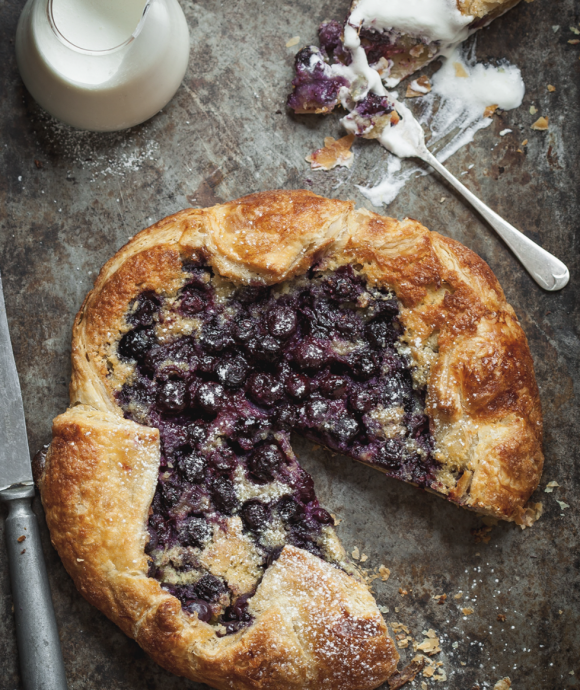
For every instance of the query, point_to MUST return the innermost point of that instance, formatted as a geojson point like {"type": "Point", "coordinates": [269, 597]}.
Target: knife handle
{"type": "Point", "coordinates": [41, 662]}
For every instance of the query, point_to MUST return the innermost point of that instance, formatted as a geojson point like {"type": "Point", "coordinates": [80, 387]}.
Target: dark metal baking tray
{"type": "Point", "coordinates": [69, 200]}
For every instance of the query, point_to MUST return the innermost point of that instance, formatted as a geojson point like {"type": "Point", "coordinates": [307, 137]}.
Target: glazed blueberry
{"type": "Point", "coordinates": [381, 334]}
{"type": "Point", "coordinates": [170, 494]}
{"type": "Point", "coordinates": [223, 494]}
{"type": "Point", "coordinates": [255, 515]}
{"type": "Point", "coordinates": [199, 607]}
{"type": "Point", "coordinates": [232, 372]}
{"type": "Point", "coordinates": [345, 428]}
{"type": "Point", "coordinates": [215, 336]}
{"type": "Point", "coordinates": [209, 588]}
{"type": "Point", "coordinates": [195, 532]}
{"type": "Point", "coordinates": [281, 322]}
{"type": "Point", "coordinates": [210, 397]}
{"type": "Point", "coordinates": [145, 309]}
{"type": "Point", "coordinates": [192, 302]}
{"type": "Point", "coordinates": [310, 355]}
{"type": "Point", "coordinates": [197, 433]}
{"type": "Point", "coordinates": [362, 400]}
{"type": "Point", "coordinates": [289, 509]}
{"type": "Point", "coordinates": [265, 462]}
{"type": "Point", "coordinates": [286, 417]}
{"type": "Point", "coordinates": [265, 389]}
{"type": "Point", "coordinates": [192, 468]}
{"type": "Point", "coordinates": [244, 330]}
{"type": "Point", "coordinates": [365, 366]}
{"type": "Point", "coordinates": [304, 487]}
{"type": "Point", "coordinates": [297, 386]}
{"type": "Point", "coordinates": [322, 516]}
{"type": "Point", "coordinates": [224, 460]}
{"type": "Point", "coordinates": [136, 343]}
{"type": "Point", "coordinates": [390, 454]}
{"type": "Point", "coordinates": [333, 386]}
{"type": "Point", "coordinates": [171, 396]}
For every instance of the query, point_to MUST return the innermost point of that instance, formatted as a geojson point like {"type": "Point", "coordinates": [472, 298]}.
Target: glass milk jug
{"type": "Point", "coordinates": [102, 65]}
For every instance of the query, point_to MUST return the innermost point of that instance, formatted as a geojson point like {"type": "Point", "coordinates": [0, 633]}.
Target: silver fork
{"type": "Point", "coordinates": [407, 139]}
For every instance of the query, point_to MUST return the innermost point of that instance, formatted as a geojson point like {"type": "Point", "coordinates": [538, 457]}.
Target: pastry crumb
{"type": "Point", "coordinates": [551, 88]}
{"type": "Point", "coordinates": [459, 595]}
{"type": "Point", "coordinates": [293, 41]}
{"type": "Point", "coordinates": [460, 70]}
{"type": "Point", "coordinates": [501, 617]}
{"type": "Point", "coordinates": [355, 553]}
{"type": "Point", "coordinates": [550, 486]}
{"type": "Point", "coordinates": [418, 87]}
{"type": "Point", "coordinates": [467, 611]}
{"type": "Point", "coordinates": [384, 573]}
{"type": "Point", "coordinates": [541, 124]}
{"type": "Point", "coordinates": [334, 153]}
{"type": "Point", "coordinates": [490, 110]}
{"type": "Point", "coordinates": [533, 110]}
{"type": "Point", "coordinates": [503, 684]}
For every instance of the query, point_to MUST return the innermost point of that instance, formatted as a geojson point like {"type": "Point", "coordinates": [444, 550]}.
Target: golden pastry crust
{"type": "Point", "coordinates": [314, 626]}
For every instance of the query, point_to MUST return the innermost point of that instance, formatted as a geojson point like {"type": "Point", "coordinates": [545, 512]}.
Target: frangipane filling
{"type": "Point", "coordinates": [226, 373]}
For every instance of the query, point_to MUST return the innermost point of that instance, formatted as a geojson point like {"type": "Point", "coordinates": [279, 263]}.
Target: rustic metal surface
{"type": "Point", "coordinates": [69, 200]}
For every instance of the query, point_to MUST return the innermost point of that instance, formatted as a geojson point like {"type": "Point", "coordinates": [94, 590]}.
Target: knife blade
{"type": "Point", "coordinates": [40, 655]}
{"type": "Point", "coordinates": [15, 465]}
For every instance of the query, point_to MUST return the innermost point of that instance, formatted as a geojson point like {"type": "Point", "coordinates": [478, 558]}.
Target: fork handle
{"type": "Point", "coordinates": [548, 271]}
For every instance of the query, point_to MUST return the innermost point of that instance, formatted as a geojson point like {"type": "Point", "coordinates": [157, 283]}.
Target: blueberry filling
{"type": "Point", "coordinates": [320, 355]}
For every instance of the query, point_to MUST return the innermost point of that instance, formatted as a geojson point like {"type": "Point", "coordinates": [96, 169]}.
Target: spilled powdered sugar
{"type": "Point", "coordinates": [452, 113]}
{"type": "Point", "coordinates": [103, 154]}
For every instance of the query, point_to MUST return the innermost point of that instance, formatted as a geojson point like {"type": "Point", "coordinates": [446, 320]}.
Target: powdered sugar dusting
{"type": "Point", "coordinates": [113, 154]}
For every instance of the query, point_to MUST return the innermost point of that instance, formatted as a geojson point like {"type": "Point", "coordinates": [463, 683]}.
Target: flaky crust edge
{"type": "Point", "coordinates": [101, 470]}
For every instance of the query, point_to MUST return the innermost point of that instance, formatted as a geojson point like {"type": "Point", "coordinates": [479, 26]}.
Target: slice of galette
{"type": "Point", "coordinates": [171, 490]}
{"type": "Point", "coordinates": [380, 43]}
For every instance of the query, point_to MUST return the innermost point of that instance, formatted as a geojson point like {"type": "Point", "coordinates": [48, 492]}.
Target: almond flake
{"type": "Point", "coordinates": [525, 142]}
{"type": "Point", "coordinates": [541, 124]}
{"type": "Point", "coordinates": [293, 41]}
{"type": "Point", "coordinates": [562, 505]}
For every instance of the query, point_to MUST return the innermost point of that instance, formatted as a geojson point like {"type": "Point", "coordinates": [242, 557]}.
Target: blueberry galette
{"type": "Point", "coordinates": [171, 489]}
